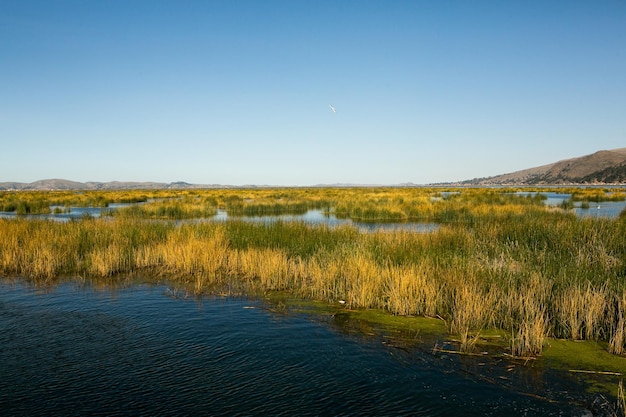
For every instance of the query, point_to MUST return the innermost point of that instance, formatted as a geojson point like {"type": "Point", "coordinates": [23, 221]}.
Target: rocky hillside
{"type": "Point", "coordinates": [602, 167]}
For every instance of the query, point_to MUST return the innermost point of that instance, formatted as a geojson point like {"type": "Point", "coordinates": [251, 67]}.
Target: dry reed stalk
{"type": "Point", "coordinates": [44, 254]}
{"type": "Point", "coordinates": [581, 311]}
{"type": "Point", "coordinates": [268, 267]}
{"type": "Point", "coordinates": [182, 254]}
{"type": "Point", "coordinates": [530, 324]}
{"type": "Point", "coordinates": [260, 269]}
{"type": "Point", "coordinates": [106, 262]}
{"type": "Point", "coordinates": [148, 256]}
{"type": "Point", "coordinates": [403, 291]}
{"type": "Point", "coordinates": [617, 338]}
{"type": "Point", "coordinates": [323, 279]}
{"type": "Point", "coordinates": [239, 266]}
{"type": "Point", "coordinates": [570, 310]}
{"type": "Point", "coordinates": [191, 252]}
{"type": "Point", "coordinates": [530, 337]}
{"type": "Point", "coordinates": [363, 281]}
{"type": "Point", "coordinates": [621, 398]}
{"type": "Point", "coordinates": [9, 247]}
{"type": "Point", "coordinates": [596, 311]}
{"type": "Point", "coordinates": [413, 290]}
{"type": "Point", "coordinates": [472, 309]}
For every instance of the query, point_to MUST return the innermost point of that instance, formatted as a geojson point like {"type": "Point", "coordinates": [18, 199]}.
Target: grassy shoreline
{"type": "Point", "coordinates": [498, 261]}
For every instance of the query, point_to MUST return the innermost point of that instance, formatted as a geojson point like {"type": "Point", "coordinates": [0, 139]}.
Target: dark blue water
{"type": "Point", "coordinates": [73, 350]}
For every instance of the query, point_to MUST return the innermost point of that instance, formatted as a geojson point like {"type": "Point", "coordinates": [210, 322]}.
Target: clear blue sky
{"type": "Point", "coordinates": [238, 92]}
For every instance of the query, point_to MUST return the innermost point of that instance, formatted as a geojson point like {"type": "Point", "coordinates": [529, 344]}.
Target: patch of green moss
{"type": "Point", "coordinates": [402, 330]}
{"type": "Point", "coordinates": [377, 320]}
{"type": "Point", "coordinates": [383, 319]}
{"type": "Point", "coordinates": [582, 355]}
{"type": "Point", "coordinates": [588, 361]}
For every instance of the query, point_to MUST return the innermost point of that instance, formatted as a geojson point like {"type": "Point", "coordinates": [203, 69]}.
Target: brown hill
{"type": "Point", "coordinates": [602, 167]}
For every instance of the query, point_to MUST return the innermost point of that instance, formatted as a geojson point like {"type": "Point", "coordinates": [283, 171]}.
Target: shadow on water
{"type": "Point", "coordinates": [85, 347]}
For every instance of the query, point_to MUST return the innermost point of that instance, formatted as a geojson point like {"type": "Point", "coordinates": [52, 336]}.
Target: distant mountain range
{"type": "Point", "coordinates": [57, 184]}
{"type": "Point", "coordinates": [600, 168]}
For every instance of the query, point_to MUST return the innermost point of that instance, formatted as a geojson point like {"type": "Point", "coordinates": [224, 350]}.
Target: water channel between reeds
{"type": "Point", "coordinates": [79, 349]}
{"type": "Point", "coordinates": [311, 217]}
{"type": "Point", "coordinates": [606, 209]}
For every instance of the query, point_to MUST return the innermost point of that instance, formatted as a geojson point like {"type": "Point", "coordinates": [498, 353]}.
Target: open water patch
{"type": "Point", "coordinates": [76, 350]}
{"type": "Point", "coordinates": [63, 214]}
{"type": "Point", "coordinates": [319, 217]}
{"type": "Point", "coordinates": [604, 209]}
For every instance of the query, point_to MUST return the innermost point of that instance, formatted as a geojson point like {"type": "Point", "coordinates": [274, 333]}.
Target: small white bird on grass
{"type": "Point", "coordinates": [332, 108]}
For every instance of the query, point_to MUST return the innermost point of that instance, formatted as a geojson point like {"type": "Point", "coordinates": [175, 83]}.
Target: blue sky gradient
{"type": "Point", "coordinates": [237, 92]}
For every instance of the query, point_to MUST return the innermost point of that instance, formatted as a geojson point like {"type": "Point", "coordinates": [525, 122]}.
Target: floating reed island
{"type": "Point", "coordinates": [498, 260]}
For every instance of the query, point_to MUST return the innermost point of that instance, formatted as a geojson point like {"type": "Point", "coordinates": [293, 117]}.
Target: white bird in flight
{"type": "Point", "coordinates": [332, 108]}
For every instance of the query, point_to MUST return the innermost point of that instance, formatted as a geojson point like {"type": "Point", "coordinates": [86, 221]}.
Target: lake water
{"type": "Point", "coordinates": [76, 350]}
{"type": "Point", "coordinates": [69, 213]}
{"type": "Point", "coordinates": [316, 217]}
{"type": "Point", "coordinates": [608, 209]}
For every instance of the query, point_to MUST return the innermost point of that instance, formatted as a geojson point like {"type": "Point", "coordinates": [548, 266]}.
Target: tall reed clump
{"type": "Point", "coordinates": [362, 276]}
{"type": "Point", "coordinates": [581, 311]}
{"type": "Point", "coordinates": [414, 290]}
{"type": "Point", "coordinates": [355, 272]}
{"type": "Point", "coordinates": [40, 257]}
{"type": "Point", "coordinates": [109, 248]}
{"type": "Point", "coordinates": [34, 248]}
{"type": "Point", "coordinates": [266, 209]}
{"type": "Point", "coordinates": [259, 270]}
{"type": "Point", "coordinates": [171, 209]}
{"type": "Point", "coordinates": [472, 309]}
{"type": "Point", "coordinates": [323, 277]}
{"type": "Point", "coordinates": [13, 235]}
{"type": "Point", "coordinates": [617, 318]}
{"type": "Point", "coordinates": [527, 310]}
{"type": "Point", "coordinates": [196, 254]}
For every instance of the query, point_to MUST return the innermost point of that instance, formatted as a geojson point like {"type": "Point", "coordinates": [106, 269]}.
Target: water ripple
{"type": "Point", "coordinates": [137, 352]}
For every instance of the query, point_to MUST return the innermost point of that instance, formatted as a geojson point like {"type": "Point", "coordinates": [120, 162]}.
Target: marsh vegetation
{"type": "Point", "coordinates": [499, 260]}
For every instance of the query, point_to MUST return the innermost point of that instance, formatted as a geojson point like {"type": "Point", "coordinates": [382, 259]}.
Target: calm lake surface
{"type": "Point", "coordinates": [608, 209]}
{"type": "Point", "coordinates": [76, 350]}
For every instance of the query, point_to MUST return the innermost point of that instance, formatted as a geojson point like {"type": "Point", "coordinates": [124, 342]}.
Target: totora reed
{"type": "Point", "coordinates": [497, 261]}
